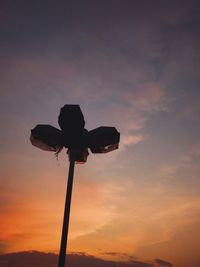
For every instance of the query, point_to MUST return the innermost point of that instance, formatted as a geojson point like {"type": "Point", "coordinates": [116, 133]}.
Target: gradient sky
{"type": "Point", "coordinates": [133, 64]}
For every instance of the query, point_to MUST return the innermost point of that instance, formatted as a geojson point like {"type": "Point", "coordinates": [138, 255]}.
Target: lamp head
{"type": "Point", "coordinates": [74, 136]}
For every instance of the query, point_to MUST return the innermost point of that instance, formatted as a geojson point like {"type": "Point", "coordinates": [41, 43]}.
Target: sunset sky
{"type": "Point", "coordinates": [132, 64]}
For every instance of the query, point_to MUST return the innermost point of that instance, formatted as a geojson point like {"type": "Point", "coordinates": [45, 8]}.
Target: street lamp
{"type": "Point", "coordinates": [77, 140]}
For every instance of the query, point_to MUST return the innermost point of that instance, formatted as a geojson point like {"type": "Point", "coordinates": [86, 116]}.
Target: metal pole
{"type": "Point", "coordinates": [63, 245]}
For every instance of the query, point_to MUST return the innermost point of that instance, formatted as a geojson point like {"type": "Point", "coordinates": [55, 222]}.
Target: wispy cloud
{"type": "Point", "coordinates": [132, 139]}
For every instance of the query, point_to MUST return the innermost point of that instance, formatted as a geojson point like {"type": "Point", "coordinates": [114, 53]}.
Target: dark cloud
{"type": "Point", "coordinates": [39, 259]}
{"type": "Point", "coordinates": [163, 263]}
{"type": "Point", "coordinates": [117, 254]}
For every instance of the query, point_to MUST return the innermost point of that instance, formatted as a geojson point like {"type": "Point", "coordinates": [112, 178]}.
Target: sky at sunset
{"type": "Point", "coordinates": [132, 64]}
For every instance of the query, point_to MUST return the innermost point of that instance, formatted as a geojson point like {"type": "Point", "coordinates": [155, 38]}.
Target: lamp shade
{"type": "Point", "coordinates": [46, 137]}
{"type": "Point", "coordinates": [103, 139]}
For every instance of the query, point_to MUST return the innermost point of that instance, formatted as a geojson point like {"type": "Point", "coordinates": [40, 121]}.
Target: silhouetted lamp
{"type": "Point", "coordinates": [77, 140]}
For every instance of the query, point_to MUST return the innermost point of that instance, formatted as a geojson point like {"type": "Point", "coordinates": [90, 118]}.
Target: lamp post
{"type": "Point", "coordinates": [63, 244]}
{"type": "Point", "coordinates": [77, 140]}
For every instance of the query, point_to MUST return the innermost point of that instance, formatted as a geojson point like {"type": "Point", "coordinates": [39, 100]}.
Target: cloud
{"type": "Point", "coordinates": [132, 139]}
{"type": "Point", "coordinates": [182, 248]}
{"type": "Point", "coordinates": [93, 214]}
{"type": "Point", "coordinates": [150, 97]}
{"type": "Point", "coordinates": [163, 263]}
{"type": "Point", "coordinates": [39, 259]}
{"type": "Point", "coordinates": [154, 203]}
{"type": "Point", "coordinates": [182, 170]}
{"type": "Point", "coordinates": [117, 254]}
